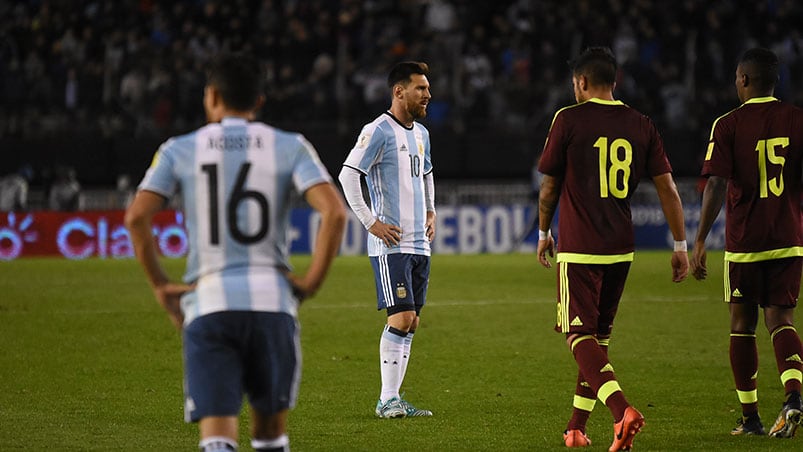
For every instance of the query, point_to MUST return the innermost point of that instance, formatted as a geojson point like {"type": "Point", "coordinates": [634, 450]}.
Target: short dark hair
{"type": "Point", "coordinates": [401, 72]}
{"type": "Point", "coordinates": [238, 77]}
{"type": "Point", "coordinates": [598, 65]}
{"type": "Point", "coordinates": [761, 65]}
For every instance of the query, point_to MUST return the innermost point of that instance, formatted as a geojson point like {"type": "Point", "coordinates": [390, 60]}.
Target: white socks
{"type": "Point", "coordinates": [392, 361]}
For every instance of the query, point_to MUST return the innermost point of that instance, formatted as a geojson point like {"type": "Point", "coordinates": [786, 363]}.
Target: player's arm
{"type": "Point", "coordinates": [547, 203]}
{"type": "Point", "coordinates": [713, 197]}
{"type": "Point", "coordinates": [350, 180]}
{"type": "Point", "coordinates": [326, 200]}
{"type": "Point", "coordinates": [673, 211]}
{"type": "Point", "coordinates": [429, 200]}
{"type": "Point", "coordinates": [138, 220]}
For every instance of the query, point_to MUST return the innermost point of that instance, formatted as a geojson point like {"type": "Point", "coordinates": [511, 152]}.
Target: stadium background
{"type": "Point", "coordinates": [95, 86]}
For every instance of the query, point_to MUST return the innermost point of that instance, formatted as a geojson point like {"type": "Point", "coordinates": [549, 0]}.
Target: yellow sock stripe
{"type": "Point", "coordinates": [581, 339]}
{"type": "Point", "coordinates": [584, 403]}
{"type": "Point", "coordinates": [791, 374]}
{"type": "Point", "coordinates": [607, 389]}
{"type": "Point", "coordinates": [563, 321]}
{"type": "Point", "coordinates": [781, 328]}
{"type": "Point", "coordinates": [743, 335]}
{"type": "Point", "coordinates": [747, 396]}
{"type": "Point", "coordinates": [727, 282]}
{"type": "Point", "coordinates": [604, 342]}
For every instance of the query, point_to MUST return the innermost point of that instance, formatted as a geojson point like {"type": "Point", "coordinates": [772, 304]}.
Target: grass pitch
{"type": "Point", "coordinates": [89, 362]}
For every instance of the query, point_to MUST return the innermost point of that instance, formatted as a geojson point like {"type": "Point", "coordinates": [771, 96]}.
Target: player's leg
{"type": "Point", "coordinates": [269, 433]}
{"type": "Point", "coordinates": [393, 283]}
{"type": "Point", "coordinates": [742, 292]}
{"type": "Point", "coordinates": [419, 272]}
{"type": "Point", "coordinates": [581, 288]}
{"type": "Point", "coordinates": [272, 376]}
{"type": "Point", "coordinates": [779, 319]}
{"type": "Point", "coordinates": [218, 434]}
{"type": "Point", "coordinates": [213, 375]}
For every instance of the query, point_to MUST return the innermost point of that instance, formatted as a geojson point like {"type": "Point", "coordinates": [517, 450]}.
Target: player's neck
{"type": "Point", "coordinates": [402, 116]}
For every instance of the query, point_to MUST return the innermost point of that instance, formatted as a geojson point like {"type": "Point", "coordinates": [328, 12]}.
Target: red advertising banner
{"type": "Point", "coordinates": [79, 235]}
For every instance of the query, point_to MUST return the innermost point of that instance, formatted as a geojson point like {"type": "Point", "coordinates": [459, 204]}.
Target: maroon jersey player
{"type": "Point", "coordinates": [754, 157]}
{"type": "Point", "coordinates": [596, 153]}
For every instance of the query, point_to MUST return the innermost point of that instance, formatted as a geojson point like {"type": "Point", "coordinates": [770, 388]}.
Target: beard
{"type": "Point", "coordinates": [417, 111]}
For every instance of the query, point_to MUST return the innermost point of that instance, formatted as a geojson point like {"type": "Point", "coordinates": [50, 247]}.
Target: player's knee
{"type": "Point", "coordinates": [403, 320]}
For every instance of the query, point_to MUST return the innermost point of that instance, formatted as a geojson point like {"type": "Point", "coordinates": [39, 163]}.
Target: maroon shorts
{"type": "Point", "coordinates": [774, 282]}
{"type": "Point", "coordinates": [588, 296]}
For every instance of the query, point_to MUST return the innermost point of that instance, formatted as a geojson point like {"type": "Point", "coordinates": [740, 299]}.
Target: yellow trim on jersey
{"type": "Point", "coordinates": [592, 100]}
{"type": "Point", "coordinates": [581, 339]}
{"type": "Point", "coordinates": [758, 256]}
{"type": "Point", "coordinates": [760, 100]}
{"type": "Point", "coordinates": [607, 389]}
{"type": "Point", "coordinates": [579, 258]}
{"type": "Point", "coordinates": [747, 396]}
{"type": "Point", "coordinates": [584, 403]}
{"type": "Point", "coordinates": [788, 374]}
{"type": "Point", "coordinates": [781, 328]}
{"type": "Point", "coordinates": [755, 100]}
{"type": "Point", "coordinates": [597, 100]}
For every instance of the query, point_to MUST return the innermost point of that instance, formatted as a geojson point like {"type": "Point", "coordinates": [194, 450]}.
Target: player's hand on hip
{"type": "Point", "coordinates": [546, 246]}
{"type": "Point", "coordinates": [169, 296]}
{"type": "Point", "coordinates": [680, 266]}
{"type": "Point", "coordinates": [388, 233]}
{"type": "Point", "coordinates": [429, 226]}
{"type": "Point", "coordinates": [302, 288]}
{"type": "Point", "coordinates": [698, 255]}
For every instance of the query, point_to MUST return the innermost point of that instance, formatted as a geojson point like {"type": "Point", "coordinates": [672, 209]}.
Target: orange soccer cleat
{"type": "Point", "coordinates": [625, 430]}
{"type": "Point", "coordinates": [575, 438]}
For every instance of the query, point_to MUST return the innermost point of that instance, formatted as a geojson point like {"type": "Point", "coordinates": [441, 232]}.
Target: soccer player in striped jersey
{"type": "Point", "coordinates": [392, 152]}
{"type": "Point", "coordinates": [237, 309]}
{"type": "Point", "coordinates": [596, 153]}
{"type": "Point", "coordinates": [754, 161]}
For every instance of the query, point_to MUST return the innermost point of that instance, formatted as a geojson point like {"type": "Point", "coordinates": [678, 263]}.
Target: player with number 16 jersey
{"type": "Point", "coordinates": [239, 173]}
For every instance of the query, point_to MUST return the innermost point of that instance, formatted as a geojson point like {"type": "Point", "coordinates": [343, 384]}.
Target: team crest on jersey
{"type": "Point", "coordinates": [363, 140]}
{"type": "Point", "coordinates": [420, 148]}
{"type": "Point", "coordinates": [401, 291]}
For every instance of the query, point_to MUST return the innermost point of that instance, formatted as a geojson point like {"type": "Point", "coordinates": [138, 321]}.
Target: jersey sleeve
{"type": "Point", "coordinates": [367, 150]}
{"type": "Point", "coordinates": [427, 155]}
{"type": "Point", "coordinates": [161, 176]}
{"type": "Point", "coordinates": [553, 159]}
{"type": "Point", "coordinates": [718, 160]}
{"type": "Point", "coordinates": [308, 169]}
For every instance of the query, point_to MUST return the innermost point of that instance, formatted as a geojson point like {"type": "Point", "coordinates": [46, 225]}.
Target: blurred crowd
{"type": "Point", "coordinates": [137, 66]}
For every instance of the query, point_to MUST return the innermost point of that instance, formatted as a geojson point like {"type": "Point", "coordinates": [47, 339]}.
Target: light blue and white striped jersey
{"type": "Point", "coordinates": [394, 160]}
{"type": "Point", "coordinates": [236, 179]}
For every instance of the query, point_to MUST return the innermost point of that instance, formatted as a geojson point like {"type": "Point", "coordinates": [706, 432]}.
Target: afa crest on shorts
{"type": "Point", "coordinates": [401, 291]}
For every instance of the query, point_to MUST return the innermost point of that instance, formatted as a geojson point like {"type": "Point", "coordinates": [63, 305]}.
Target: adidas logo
{"type": "Point", "coordinates": [403, 148]}
{"type": "Point", "coordinates": [736, 293]}
{"type": "Point", "coordinates": [607, 368]}
{"type": "Point", "coordinates": [794, 358]}
{"type": "Point", "coordinates": [576, 321]}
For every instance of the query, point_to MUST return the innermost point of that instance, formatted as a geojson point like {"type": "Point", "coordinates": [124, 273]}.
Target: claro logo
{"type": "Point", "coordinates": [14, 235]}
{"type": "Point", "coordinates": [85, 235]}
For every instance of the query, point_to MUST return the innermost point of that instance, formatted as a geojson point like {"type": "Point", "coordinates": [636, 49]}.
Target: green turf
{"type": "Point", "coordinates": [89, 362]}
